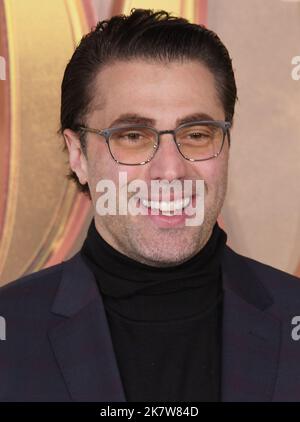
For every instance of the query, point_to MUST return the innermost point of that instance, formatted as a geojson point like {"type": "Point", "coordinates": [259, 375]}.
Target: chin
{"type": "Point", "coordinates": [166, 254]}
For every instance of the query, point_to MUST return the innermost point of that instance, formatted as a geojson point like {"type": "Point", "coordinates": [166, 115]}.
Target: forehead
{"type": "Point", "coordinates": [124, 87]}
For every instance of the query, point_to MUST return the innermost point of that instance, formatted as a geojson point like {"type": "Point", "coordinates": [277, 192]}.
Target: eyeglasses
{"type": "Point", "coordinates": [137, 144]}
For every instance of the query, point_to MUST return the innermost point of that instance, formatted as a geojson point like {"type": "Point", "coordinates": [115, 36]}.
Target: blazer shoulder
{"type": "Point", "coordinates": [265, 269]}
{"type": "Point", "coordinates": [283, 287]}
{"type": "Point", "coordinates": [31, 288]}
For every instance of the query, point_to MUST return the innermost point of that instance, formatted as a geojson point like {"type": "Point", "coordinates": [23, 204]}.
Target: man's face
{"type": "Point", "coordinates": [164, 93]}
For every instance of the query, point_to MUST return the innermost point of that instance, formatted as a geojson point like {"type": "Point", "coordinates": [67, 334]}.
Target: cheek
{"type": "Point", "coordinates": [219, 181]}
{"type": "Point", "coordinates": [100, 164]}
{"type": "Point", "coordinates": [214, 174]}
{"type": "Point", "coordinates": [120, 175]}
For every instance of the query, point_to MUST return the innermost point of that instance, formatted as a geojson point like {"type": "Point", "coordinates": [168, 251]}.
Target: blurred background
{"type": "Point", "coordinates": [43, 219]}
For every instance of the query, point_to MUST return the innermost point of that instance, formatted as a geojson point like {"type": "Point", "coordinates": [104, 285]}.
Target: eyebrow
{"type": "Point", "coordinates": [134, 118]}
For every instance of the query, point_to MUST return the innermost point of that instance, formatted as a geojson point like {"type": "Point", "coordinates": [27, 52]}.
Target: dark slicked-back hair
{"type": "Point", "coordinates": [143, 34]}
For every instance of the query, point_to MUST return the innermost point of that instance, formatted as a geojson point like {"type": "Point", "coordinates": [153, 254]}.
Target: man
{"type": "Point", "coordinates": [153, 308]}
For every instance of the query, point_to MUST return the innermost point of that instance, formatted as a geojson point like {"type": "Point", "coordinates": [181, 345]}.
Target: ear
{"type": "Point", "coordinates": [77, 159]}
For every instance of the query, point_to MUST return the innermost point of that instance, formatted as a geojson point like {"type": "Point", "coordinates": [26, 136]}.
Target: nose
{"type": "Point", "coordinates": [168, 163]}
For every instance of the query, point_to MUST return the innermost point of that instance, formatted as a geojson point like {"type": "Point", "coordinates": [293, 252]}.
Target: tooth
{"type": "Point", "coordinates": [154, 204]}
{"type": "Point", "coordinates": [167, 206]}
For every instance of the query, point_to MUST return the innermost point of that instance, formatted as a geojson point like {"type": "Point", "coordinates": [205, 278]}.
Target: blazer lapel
{"type": "Point", "coordinates": [250, 337]}
{"type": "Point", "coordinates": [81, 342]}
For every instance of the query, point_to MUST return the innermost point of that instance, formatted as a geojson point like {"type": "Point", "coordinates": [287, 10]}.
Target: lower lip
{"type": "Point", "coordinates": [168, 221]}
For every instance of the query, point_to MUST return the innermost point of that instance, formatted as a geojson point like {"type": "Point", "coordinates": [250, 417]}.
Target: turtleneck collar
{"type": "Point", "coordinates": [138, 290]}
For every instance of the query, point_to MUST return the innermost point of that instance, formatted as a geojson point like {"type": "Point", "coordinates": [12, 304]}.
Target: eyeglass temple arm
{"type": "Point", "coordinates": [87, 129]}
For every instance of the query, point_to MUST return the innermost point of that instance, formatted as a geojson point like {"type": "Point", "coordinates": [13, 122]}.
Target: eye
{"type": "Point", "coordinates": [131, 136]}
{"type": "Point", "coordinates": [134, 135]}
{"type": "Point", "coordinates": [197, 135]}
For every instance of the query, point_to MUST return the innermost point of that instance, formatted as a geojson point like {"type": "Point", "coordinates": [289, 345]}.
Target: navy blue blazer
{"type": "Point", "coordinates": [58, 345]}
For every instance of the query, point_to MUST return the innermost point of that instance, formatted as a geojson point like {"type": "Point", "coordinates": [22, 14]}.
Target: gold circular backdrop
{"type": "Point", "coordinates": [43, 219]}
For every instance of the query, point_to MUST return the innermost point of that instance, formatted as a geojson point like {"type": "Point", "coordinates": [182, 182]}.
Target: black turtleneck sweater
{"type": "Point", "coordinates": [165, 322]}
